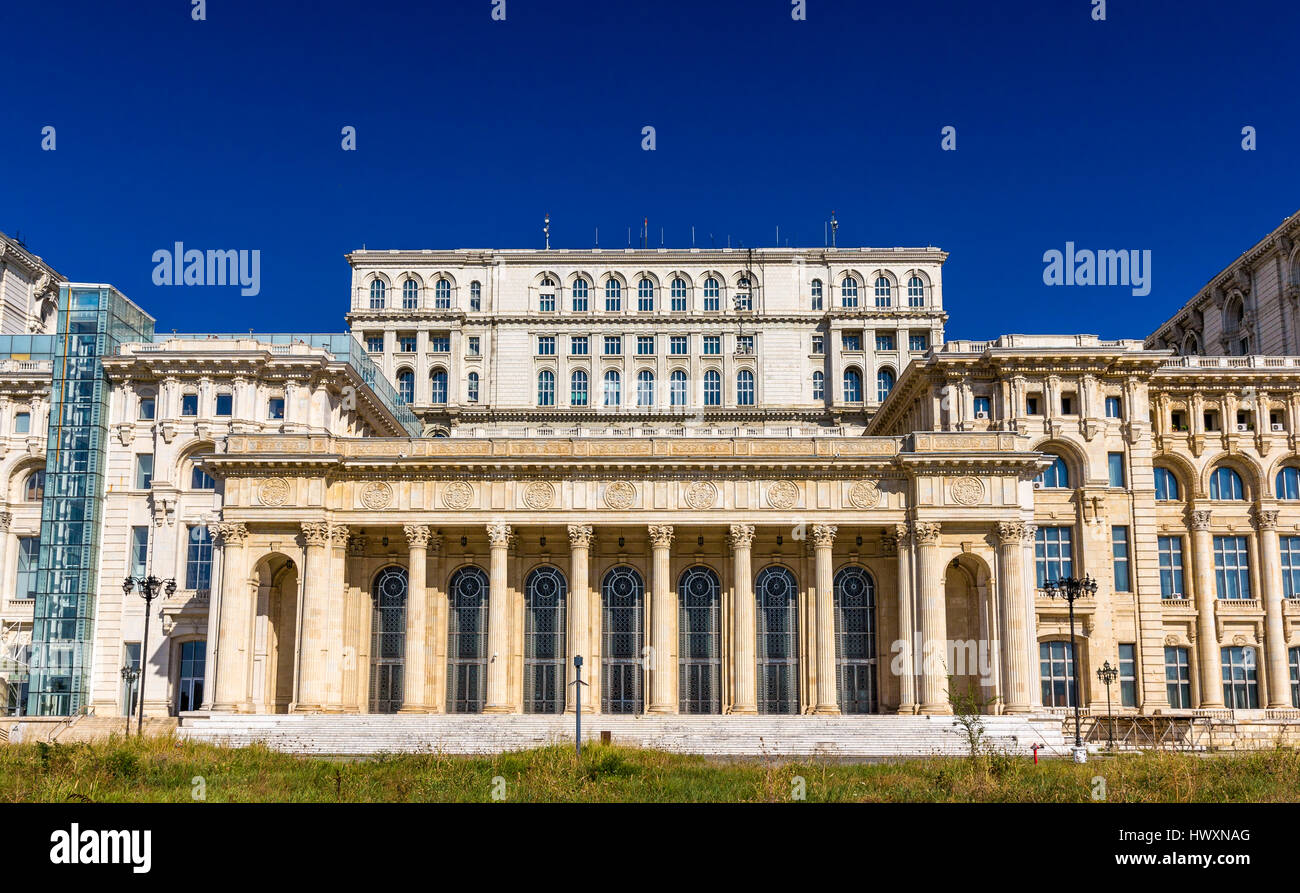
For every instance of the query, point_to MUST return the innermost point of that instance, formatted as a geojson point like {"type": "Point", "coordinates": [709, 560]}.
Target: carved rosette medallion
{"type": "Point", "coordinates": [967, 491]}
{"type": "Point", "coordinates": [782, 495]}
{"type": "Point", "coordinates": [376, 495]}
{"type": "Point", "coordinates": [457, 495]}
{"type": "Point", "coordinates": [700, 495]}
{"type": "Point", "coordinates": [539, 495]}
{"type": "Point", "coordinates": [865, 494]}
{"type": "Point", "coordinates": [274, 491]}
{"type": "Point", "coordinates": [620, 495]}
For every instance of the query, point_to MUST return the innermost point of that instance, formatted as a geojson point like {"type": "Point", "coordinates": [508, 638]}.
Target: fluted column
{"type": "Point", "coordinates": [1279, 673]}
{"type": "Point", "coordinates": [315, 619]}
{"type": "Point", "coordinates": [579, 600]}
{"type": "Point", "coordinates": [823, 537]}
{"type": "Point", "coordinates": [934, 619]}
{"type": "Point", "coordinates": [1013, 602]}
{"type": "Point", "coordinates": [663, 624]}
{"type": "Point", "coordinates": [337, 596]}
{"type": "Point", "coordinates": [415, 694]}
{"type": "Point", "coordinates": [6, 518]}
{"type": "Point", "coordinates": [743, 639]}
{"type": "Point", "coordinates": [1207, 636]}
{"type": "Point", "coordinates": [498, 612]}
{"type": "Point", "coordinates": [232, 644]}
{"type": "Point", "coordinates": [906, 622]}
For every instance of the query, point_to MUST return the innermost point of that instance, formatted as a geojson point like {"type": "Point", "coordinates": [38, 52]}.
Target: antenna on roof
{"type": "Point", "coordinates": [629, 237]}
{"type": "Point", "coordinates": [661, 237]}
{"type": "Point", "coordinates": [692, 236]}
{"type": "Point", "coordinates": [778, 235]}
{"type": "Point", "coordinates": [597, 238]}
{"type": "Point", "coordinates": [546, 230]}
{"type": "Point", "coordinates": [835, 228]}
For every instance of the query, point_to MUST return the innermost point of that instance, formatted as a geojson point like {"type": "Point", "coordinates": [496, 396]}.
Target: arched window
{"type": "Point", "coordinates": [471, 388]}
{"type": "Point", "coordinates": [622, 597]}
{"type": "Point", "coordinates": [1288, 483]}
{"type": "Point", "coordinates": [1166, 485]}
{"type": "Point", "coordinates": [546, 388]}
{"type": "Point", "coordinates": [677, 388]}
{"type": "Point", "coordinates": [35, 489]}
{"type": "Point", "coordinates": [613, 389]}
{"type": "Point", "coordinates": [613, 296]}
{"type": "Point", "coordinates": [201, 480]}
{"type": "Point", "coordinates": [544, 649]}
{"type": "Point", "coordinates": [915, 292]}
{"type": "Point", "coordinates": [406, 386]}
{"type": "Point", "coordinates": [884, 295]}
{"type": "Point", "coordinates": [388, 641]}
{"type": "Point", "coordinates": [852, 386]}
{"type": "Point", "coordinates": [438, 386]}
{"type": "Point", "coordinates": [1226, 484]}
{"type": "Point", "coordinates": [744, 297]}
{"type": "Point", "coordinates": [778, 641]}
{"type": "Point", "coordinates": [815, 291]}
{"type": "Point", "coordinates": [884, 384]}
{"type": "Point", "coordinates": [855, 640]}
{"type": "Point", "coordinates": [849, 292]}
{"type": "Point", "coordinates": [712, 388]}
{"type": "Point", "coordinates": [645, 296]}
{"type": "Point", "coordinates": [745, 388]}
{"type": "Point", "coordinates": [546, 297]}
{"type": "Point", "coordinates": [578, 388]}
{"type": "Point", "coordinates": [679, 295]}
{"type": "Point", "coordinates": [699, 638]}
{"type": "Point", "coordinates": [442, 295]}
{"type": "Point", "coordinates": [1056, 476]}
{"type": "Point", "coordinates": [819, 386]}
{"type": "Point", "coordinates": [467, 632]}
{"type": "Point", "coordinates": [712, 300]}
{"type": "Point", "coordinates": [377, 289]}
{"type": "Point", "coordinates": [475, 296]}
{"type": "Point", "coordinates": [580, 294]}
{"type": "Point", "coordinates": [645, 388]}
{"type": "Point", "coordinates": [410, 295]}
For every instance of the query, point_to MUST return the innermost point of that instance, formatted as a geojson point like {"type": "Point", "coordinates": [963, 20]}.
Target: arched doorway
{"type": "Point", "coordinates": [467, 628]}
{"type": "Point", "coordinates": [388, 640]}
{"type": "Point", "coordinates": [544, 643]}
{"type": "Point", "coordinates": [699, 654]}
{"type": "Point", "coordinates": [622, 609]}
{"type": "Point", "coordinates": [275, 634]}
{"type": "Point", "coordinates": [970, 656]}
{"type": "Point", "coordinates": [855, 640]}
{"type": "Point", "coordinates": [778, 641]}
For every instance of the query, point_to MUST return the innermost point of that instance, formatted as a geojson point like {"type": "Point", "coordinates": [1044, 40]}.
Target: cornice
{"type": "Point", "coordinates": [564, 257]}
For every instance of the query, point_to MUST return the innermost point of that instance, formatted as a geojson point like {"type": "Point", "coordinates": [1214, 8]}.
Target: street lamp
{"type": "Point", "coordinates": [1072, 589]}
{"type": "Point", "coordinates": [129, 675]}
{"type": "Point", "coordinates": [149, 587]}
{"type": "Point", "coordinates": [1108, 674]}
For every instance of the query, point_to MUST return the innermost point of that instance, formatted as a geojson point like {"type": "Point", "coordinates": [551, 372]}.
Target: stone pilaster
{"type": "Point", "coordinates": [315, 618]}
{"type": "Point", "coordinates": [580, 536]}
{"type": "Point", "coordinates": [744, 632]}
{"type": "Point", "coordinates": [1017, 668]}
{"type": "Point", "coordinates": [663, 624]}
{"type": "Point", "coordinates": [823, 537]}
{"type": "Point", "coordinates": [499, 536]}
{"type": "Point", "coordinates": [1207, 636]}
{"type": "Point", "coordinates": [415, 698]}
{"type": "Point", "coordinates": [1279, 673]}
{"type": "Point", "coordinates": [233, 647]}
{"type": "Point", "coordinates": [906, 621]}
{"type": "Point", "coordinates": [934, 619]}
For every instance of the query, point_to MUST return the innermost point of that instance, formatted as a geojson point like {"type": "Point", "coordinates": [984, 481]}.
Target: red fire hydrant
{"type": "Point", "coordinates": [1035, 749]}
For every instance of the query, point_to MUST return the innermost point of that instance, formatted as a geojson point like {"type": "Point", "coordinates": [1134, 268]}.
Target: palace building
{"type": "Point", "coordinates": [733, 482]}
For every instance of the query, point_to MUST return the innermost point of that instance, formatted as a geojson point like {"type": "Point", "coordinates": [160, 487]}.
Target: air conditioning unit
{"type": "Point", "coordinates": [1277, 426]}
{"type": "Point", "coordinates": [1242, 429]}
{"type": "Point", "coordinates": [981, 415]}
{"type": "Point", "coordinates": [1038, 485]}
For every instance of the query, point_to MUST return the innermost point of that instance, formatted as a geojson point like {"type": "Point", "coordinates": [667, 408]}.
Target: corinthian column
{"type": "Point", "coordinates": [1013, 603]}
{"type": "Point", "coordinates": [823, 536]}
{"type": "Point", "coordinates": [415, 695]}
{"type": "Point", "coordinates": [906, 622]}
{"type": "Point", "coordinates": [1207, 636]}
{"type": "Point", "coordinates": [934, 619]}
{"type": "Point", "coordinates": [315, 618]}
{"type": "Point", "coordinates": [498, 611]}
{"type": "Point", "coordinates": [663, 625]}
{"type": "Point", "coordinates": [1279, 682]}
{"type": "Point", "coordinates": [232, 645]}
{"type": "Point", "coordinates": [743, 639]}
{"type": "Point", "coordinates": [579, 600]}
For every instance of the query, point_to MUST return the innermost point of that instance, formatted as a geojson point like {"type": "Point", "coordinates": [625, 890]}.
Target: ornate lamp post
{"type": "Point", "coordinates": [1072, 589]}
{"type": "Point", "coordinates": [129, 675]}
{"type": "Point", "coordinates": [1108, 674]}
{"type": "Point", "coordinates": [150, 588]}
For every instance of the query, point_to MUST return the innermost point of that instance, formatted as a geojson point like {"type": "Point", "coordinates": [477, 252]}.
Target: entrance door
{"type": "Point", "coordinates": [388, 640]}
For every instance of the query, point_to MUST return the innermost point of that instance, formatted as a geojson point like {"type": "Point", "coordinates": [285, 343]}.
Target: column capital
{"type": "Point", "coordinates": [823, 535]}
{"type": "Point", "coordinates": [741, 536]}
{"type": "Point", "coordinates": [661, 535]}
{"type": "Point", "coordinates": [6, 518]}
{"type": "Point", "coordinates": [417, 535]}
{"type": "Point", "coordinates": [339, 534]}
{"type": "Point", "coordinates": [902, 535]}
{"type": "Point", "coordinates": [1201, 519]}
{"type": "Point", "coordinates": [926, 532]}
{"type": "Point", "coordinates": [499, 535]}
{"type": "Point", "coordinates": [231, 533]}
{"type": "Point", "coordinates": [316, 533]}
{"type": "Point", "coordinates": [1011, 533]}
{"type": "Point", "coordinates": [357, 544]}
{"type": "Point", "coordinates": [1266, 519]}
{"type": "Point", "coordinates": [580, 536]}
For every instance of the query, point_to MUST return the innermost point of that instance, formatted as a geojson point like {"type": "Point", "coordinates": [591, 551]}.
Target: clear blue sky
{"type": "Point", "coordinates": [226, 134]}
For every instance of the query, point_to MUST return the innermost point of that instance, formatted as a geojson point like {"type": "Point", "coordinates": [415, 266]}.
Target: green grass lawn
{"type": "Point", "coordinates": [167, 770]}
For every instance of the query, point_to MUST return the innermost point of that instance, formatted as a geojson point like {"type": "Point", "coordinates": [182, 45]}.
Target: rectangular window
{"type": "Point", "coordinates": [1290, 546]}
{"type": "Point", "coordinates": [613, 345]}
{"type": "Point", "coordinates": [851, 340]}
{"type": "Point", "coordinates": [1211, 420]}
{"type": "Point", "coordinates": [1170, 550]}
{"type": "Point", "coordinates": [275, 408]}
{"type": "Point", "coordinates": [146, 409]}
{"type": "Point", "coordinates": [677, 345]}
{"type": "Point", "coordinates": [745, 345]}
{"type": "Point", "coordinates": [131, 655]}
{"type": "Point", "coordinates": [983, 405]}
{"type": "Point", "coordinates": [225, 405]}
{"type": "Point", "coordinates": [679, 296]}
{"type": "Point", "coordinates": [1120, 557]}
{"type": "Point", "coordinates": [1115, 466]}
{"type": "Point", "coordinates": [23, 423]}
{"type": "Point", "coordinates": [645, 345]}
{"type": "Point", "coordinates": [918, 341]}
{"type": "Point", "coordinates": [819, 345]}
{"type": "Point", "coordinates": [1240, 678]}
{"type": "Point", "coordinates": [1053, 553]}
{"type": "Point", "coordinates": [139, 550]}
{"type": "Point", "coordinates": [712, 345]}
{"type": "Point", "coordinates": [1113, 408]}
{"type": "Point", "coordinates": [884, 341]}
{"type": "Point", "coordinates": [198, 558]}
{"type": "Point", "coordinates": [143, 471]}
{"type": "Point", "coordinates": [189, 682]}
{"type": "Point", "coordinates": [1178, 678]}
{"type": "Point", "coordinates": [546, 302]}
{"type": "Point", "coordinates": [1128, 687]}
{"type": "Point", "coordinates": [1031, 406]}
{"type": "Point", "coordinates": [578, 345]}
{"type": "Point", "coordinates": [1056, 669]}
{"type": "Point", "coordinates": [406, 343]}
{"type": "Point", "coordinates": [1231, 567]}
{"type": "Point", "coordinates": [189, 404]}
{"type": "Point", "coordinates": [375, 343]}
{"type": "Point", "coordinates": [546, 345]}
{"type": "Point", "coordinates": [472, 346]}
{"type": "Point", "coordinates": [29, 553]}
{"type": "Point", "coordinates": [440, 343]}
{"type": "Point", "coordinates": [1295, 677]}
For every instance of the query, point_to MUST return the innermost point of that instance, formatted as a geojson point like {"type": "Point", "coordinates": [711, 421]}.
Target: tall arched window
{"type": "Point", "coordinates": [855, 640]}
{"type": "Point", "coordinates": [745, 388]}
{"type": "Point", "coordinates": [915, 292]}
{"type": "Point", "coordinates": [377, 290]}
{"type": "Point", "coordinates": [744, 296]}
{"type": "Point", "coordinates": [819, 386]}
{"type": "Point", "coordinates": [613, 389]}
{"type": "Point", "coordinates": [1166, 485]}
{"type": "Point", "coordinates": [1288, 483]}
{"type": "Point", "coordinates": [852, 386]}
{"type": "Point", "coordinates": [546, 297]}
{"type": "Point", "coordinates": [438, 386]}
{"type": "Point", "coordinates": [475, 296]}
{"type": "Point", "coordinates": [442, 295]}
{"type": "Point", "coordinates": [884, 294]}
{"type": "Point", "coordinates": [34, 491]}
{"type": "Point", "coordinates": [613, 296]}
{"type": "Point", "coordinates": [645, 388]}
{"type": "Point", "coordinates": [699, 641]}
{"type": "Point", "coordinates": [544, 647]}
{"type": "Point", "coordinates": [884, 384]}
{"type": "Point", "coordinates": [1226, 484]}
{"type": "Point", "coordinates": [622, 597]}
{"type": "Point", "coordinates": [679, 295]}
{"type": "Point", "coordinates": [471, 388]}
{"type": "Point", "coordinates": [467, 633]}
{"type": "Point", "coordinates": [1055, 476]}
{"type": "Point", "coordinates": [677, 388]}
{"type": "Point", "coordinates": [580, 295]}
{"type": "Point", "coordinates": [410, 295]}
{"type": "Point", "coordinates": [388, 640]}
{"type": "Point", "coordinates": [578, 388]}
{"type": "Point", "coordinates": [712, 388]}
{"type": "Point", "coordinates": [645, 296]}
{"type": "Point", "coordinates": [406, 386]}
{"type": "Point", "coordinates": [815, 291]}
{"type": "Point", "coordinates": [778, 641]}
{"type": "Point", "coordinates": [546, 388]}
{"type": "Point", "coordinates": [849, 292]}
{"type": "Point", "coordinates": [712, 294]}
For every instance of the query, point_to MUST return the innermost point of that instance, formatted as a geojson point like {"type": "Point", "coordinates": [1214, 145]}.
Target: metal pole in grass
{"type": "Point", "coordinates": [577, 707]}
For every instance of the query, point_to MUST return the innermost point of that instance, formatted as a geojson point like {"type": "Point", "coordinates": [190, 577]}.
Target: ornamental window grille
{"type": "Point", "coordinates": [545, 601]}
{"type": "Point", "coordinates": [778, 641]}
{"type": "Point", "coordinates": [467, 632]}
{"type": "Point", "coordinates": [388, 640]}
{"type": "Point", "coordinates": [855, 640]}
{"type": "Point", "coordinates": [699, 654]}
{"type": "Point", "coordinates": [622, 641]}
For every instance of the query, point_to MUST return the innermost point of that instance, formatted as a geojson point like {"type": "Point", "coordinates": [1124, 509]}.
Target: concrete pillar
{"type": "Point", "coordinates": [232, 645]}
{"type": "Point", "coordinates": [906, 622]}
{"type": "Point", "coordinates": [934, 619]}
{"type": "Point", "coordinates": [315, 618]}
{"type": "Point", "coordinates": [743, 639]}
{"type": "Point", "coordinates": [579, 621]}
{"type": "Point", "coordinates": [498, 694]}
{"type": "Point", "coordinates": [1279, 673]}
{"type": "Point", "coordinates": [415, 694]}
{"type": "Point", "coordinates": [663, 624]}
{"type": "Point", "coordinates": [1017, 670]}
{"type": "Point", "coordinates": [823, 536]}
{"type": "Point", "coordinates": [1207, 636]}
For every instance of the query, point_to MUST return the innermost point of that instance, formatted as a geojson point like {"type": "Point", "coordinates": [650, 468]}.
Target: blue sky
{"type": "Point", "coordinates": [225, 133]}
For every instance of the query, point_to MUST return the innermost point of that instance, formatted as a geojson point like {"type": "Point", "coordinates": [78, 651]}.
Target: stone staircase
{"type": "Point", "coordinates": [836, 737]}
